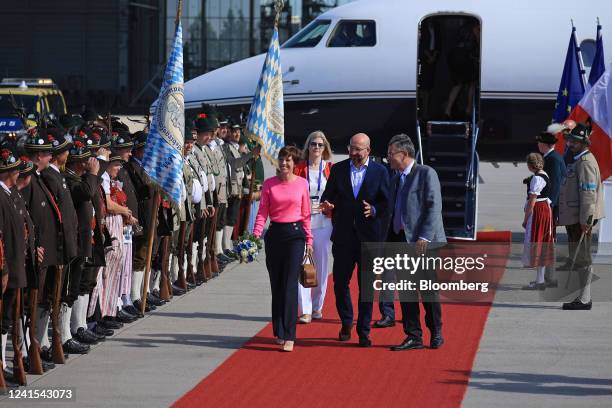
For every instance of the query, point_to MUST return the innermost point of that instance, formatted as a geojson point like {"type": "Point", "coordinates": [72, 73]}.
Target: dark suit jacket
{"type": "Point", "coordinates": [554, 166]}
{"type": "Point", "coordinates": [348, 220]}
{"type": "Point", "coordinates": [13, 234]}
{"type": "Point", "coordinates": [48, 229]}
{"type": "Point", "coordinates": [130, 191]}
{"type": "Point", "coordinates": [31, 265]}
{"type": "Point", "coordinates": [144, 193]}
{"type": "Point", "coordinates": [420, 205]}
{"type": "Point", "coordinates": [58, 187]}
{"type": "Point", "coordinates": [83, 189]}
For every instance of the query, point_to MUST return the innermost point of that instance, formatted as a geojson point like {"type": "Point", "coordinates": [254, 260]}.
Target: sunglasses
{"type": "Point", "coordinates": [315, 144]}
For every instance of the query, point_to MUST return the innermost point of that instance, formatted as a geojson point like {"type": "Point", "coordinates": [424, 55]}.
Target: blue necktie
{"type": "Point", "coordinates": [397, 212]}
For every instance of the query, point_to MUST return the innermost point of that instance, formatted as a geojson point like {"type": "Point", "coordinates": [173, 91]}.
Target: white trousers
{"type": "Point", "coordinates": [313, 298]}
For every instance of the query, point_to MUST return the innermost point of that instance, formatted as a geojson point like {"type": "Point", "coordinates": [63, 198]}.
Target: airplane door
{"type": "Point", "coordinates": [448, 104]}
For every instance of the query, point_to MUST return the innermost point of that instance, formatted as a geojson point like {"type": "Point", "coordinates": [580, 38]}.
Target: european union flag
{"type": "Point", "coordinates": [163, 155]}
{"type": "Point", "coordinates": [571, 88]}
{"type": "Point", "coordinates": [265, 122]}
{"type": "Point", "coordinates": [598, 66]}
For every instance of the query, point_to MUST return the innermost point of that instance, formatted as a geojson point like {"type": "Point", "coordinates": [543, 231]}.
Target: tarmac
{"type": "Point", "coordinates": [532, 354]}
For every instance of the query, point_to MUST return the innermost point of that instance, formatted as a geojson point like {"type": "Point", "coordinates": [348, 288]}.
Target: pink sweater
{"type": "Point", "coordinates": [284, 201]}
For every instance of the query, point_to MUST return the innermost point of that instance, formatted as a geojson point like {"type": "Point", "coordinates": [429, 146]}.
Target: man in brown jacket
{"type": "Point", "coordinates": [580, 207]}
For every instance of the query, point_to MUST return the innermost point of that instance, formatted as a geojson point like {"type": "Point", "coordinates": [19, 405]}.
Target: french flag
{"type": "Point", "coordinates": [597, 105]}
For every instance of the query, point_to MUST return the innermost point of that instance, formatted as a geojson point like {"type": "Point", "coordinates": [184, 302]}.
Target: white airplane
{"type": "Point", "coordinates": [489, 70]}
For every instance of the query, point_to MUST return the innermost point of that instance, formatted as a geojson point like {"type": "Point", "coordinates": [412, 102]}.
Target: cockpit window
{"type": "Point", "coordinates": [351, 33]}
{"type": "Point", "coordinates": [309, 36]}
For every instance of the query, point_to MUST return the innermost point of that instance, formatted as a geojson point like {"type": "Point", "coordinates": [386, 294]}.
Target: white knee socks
{"type": "Point", "coordinates": [585, 295]}
{"type": "Point", "coordinates": [540, 275]}
{"type": "Point", "coordinates": [218, 244]}
{"type": "Point", "coordinates": [137, 278]}
{"type": "Point", "coordinates": [64, 322]}
{"type": "Point", "coordinates": [174, 269]}
{"type": "Point", "coordinates": [228, 230]}
{"type": "Point", "coordinates": [42, 327]}
{"type": "Point", "coordinates": [4, 340]}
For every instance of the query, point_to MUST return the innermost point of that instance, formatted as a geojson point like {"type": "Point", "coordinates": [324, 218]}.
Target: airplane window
{"type": "Point", "coordinates": [587, 48]}
{"type": "Point", "coordinates": [353, 34]}
{"type": "Point", "coordinates": [309, 36]}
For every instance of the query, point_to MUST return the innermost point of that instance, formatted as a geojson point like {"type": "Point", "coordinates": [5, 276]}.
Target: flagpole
{"type": "Point", "coordinates": [154, 211]}
{"type": "Point", "coordinates": [580, 60]}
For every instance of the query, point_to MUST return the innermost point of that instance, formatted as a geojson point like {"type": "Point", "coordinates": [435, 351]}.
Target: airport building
{"type": "Point", "coordinates": [111, 54]}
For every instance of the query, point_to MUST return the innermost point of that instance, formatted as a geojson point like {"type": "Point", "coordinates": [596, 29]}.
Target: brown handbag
{"type": "Point", "coordinates": [308, 274]}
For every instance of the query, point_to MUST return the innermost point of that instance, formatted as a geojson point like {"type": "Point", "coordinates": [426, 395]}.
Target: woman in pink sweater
{"type": "Point", "coordinates": [285, 199]}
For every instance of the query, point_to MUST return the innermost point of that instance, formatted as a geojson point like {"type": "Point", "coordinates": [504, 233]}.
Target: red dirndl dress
{"type": "Point", "coordinates": [539, 237]}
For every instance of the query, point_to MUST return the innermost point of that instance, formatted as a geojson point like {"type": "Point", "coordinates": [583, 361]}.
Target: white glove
{"type": "Point", "coordinates": [204, 181]}
{"type": "Point", "coordinates": [196, 192]}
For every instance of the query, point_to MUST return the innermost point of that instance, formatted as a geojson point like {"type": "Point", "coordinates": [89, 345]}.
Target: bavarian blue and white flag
{"type": "Point", "coordinates": [265, 123]}
{"type": "Point", "coordinates": [163, 156]}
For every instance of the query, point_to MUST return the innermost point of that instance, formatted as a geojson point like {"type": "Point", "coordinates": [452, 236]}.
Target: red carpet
{"type": "Point", "coordinates": [322, 372]}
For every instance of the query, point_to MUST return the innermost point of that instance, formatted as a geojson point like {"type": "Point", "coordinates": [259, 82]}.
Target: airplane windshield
{"type": "Point", "coordinates": [309, 36]}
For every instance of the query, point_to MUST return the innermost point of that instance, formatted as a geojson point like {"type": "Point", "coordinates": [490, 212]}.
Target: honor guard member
{"type": "Point", "coordinates": [100, 146]}
{"type": "Point", "coordinates": [580, 207]}
{"type": "Point", "coordinates": [203, 209]}
{"type": "Point", "coordinates": [237, 157]}
{"type": "Point", "coordinates": [144, 193]}
{"type": "Point", "coordinates": [218, 157]}
{"type": "Point", "coordinates": [48, 227]}
{"type": "Point", "coordinates": [56, 182]}
{"type": "Point", "coordinates": [14, 239]}
{"type": "Point", "coordinates": [84, 184]}
{"type": "Point", "coordinates": [186, 214]}
{"type": "Point", "coordinates": [205, 125]}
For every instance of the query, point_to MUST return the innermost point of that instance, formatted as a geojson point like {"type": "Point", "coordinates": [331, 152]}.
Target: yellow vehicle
{"type": "Point", "coordinates": [37, 97]}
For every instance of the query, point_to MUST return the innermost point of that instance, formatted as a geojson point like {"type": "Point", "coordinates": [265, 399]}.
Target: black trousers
{"type": "Point", "coordinates": [411, 310]}
{"type": "Point", "coordinates": [285, 243]}
{"type": "Point", "coordinates": [73, 275]}
{"type": "Point", "coordinates": [385, 305]}
{"type": "Point", "coordinates": [346, 256]}
{"type": "Point", "coordinates": [233, 207]}
{"type": "Point", "coordinates": [221, 217]}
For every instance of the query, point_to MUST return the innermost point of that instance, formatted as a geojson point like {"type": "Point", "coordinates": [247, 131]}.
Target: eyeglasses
{"type": "Point", "coordinates": [391, 154]}
{"type": "Point", "coordinates": [315, 144]}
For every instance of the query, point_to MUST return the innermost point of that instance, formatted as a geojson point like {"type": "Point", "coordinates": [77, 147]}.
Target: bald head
{"type": "Point", "coordinates": [359, 149]}
{"type": "Point", "coordinates": [360, 138]}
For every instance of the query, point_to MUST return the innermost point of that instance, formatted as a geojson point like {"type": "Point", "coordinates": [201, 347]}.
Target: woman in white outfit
{"type": "Point", "coordinates": [315, 168]}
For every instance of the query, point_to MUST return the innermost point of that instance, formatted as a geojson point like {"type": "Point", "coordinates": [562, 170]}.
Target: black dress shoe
{"type": "Point", "coordinates": [102, 331]}
{"type": "Point", "coordinates": [148, 307]}
{"type": "Point", "coordinates": [190, 286]}
{"type": "Point", "coordinates": [154, 299]}
{"type": "Point", "coordinates": [110, 322]}
{"type": "Point", "coordinates": [230, 254]}
{"type": "Point", "coordinates": [47, 365]}
{"type": "Point", "coordinates": [133, 311]}
{"type": "Point", "coordinates": [176, 291]}
{"type": "Point", "coordinates": [411, 343]}
{"type": "Point", "coordinates": [386, 321]}
{"type": "Point", "coordinates": [124, 317]}
{"type": "Point", "coordinates": [85, 336]}
{"type": "Point", "coordinates": [365, 341]}
{"type": "Point", "coordinates": [46, 355]}
{"type": "Point", "coordinates": [345, 333]}
{"type": "Point", "coordinates": [578, 305]}
{"type": "Point", "coordinates": [74, 347]}
{"type": "Point", "coordinates": [535, 286]}
{"type": "Point", "coordinates": [436, 340]}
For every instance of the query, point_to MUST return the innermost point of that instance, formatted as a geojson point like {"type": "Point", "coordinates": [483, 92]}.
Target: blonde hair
{"type": "Point", "coordinates": [535, 161]}
{"type": "Point", "coordinates": [327, 153]}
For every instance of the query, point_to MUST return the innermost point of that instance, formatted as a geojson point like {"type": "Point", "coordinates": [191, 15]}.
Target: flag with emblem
{"type": "Point", "coordinates": [572, 84]}
{"type": "Point", "coordinates": [265, 123]}
{"type": "Point", "coordinates": [163, 155]}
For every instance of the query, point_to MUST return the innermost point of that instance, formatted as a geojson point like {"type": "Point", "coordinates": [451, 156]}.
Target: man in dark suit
{"type": "Point", "coordinates": [554, 166]}
{"type": "Point", "coordinates": [416, 218]}
{"type": "Point", "coordinates": [357, 193]}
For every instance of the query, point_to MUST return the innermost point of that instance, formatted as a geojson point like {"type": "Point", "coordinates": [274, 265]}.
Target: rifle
{"type": "Point", "coordinates": [34, 349]}
{"type": "Point", "coordinates": [18, 371]}
{"type": "Point", "coordinates": [203, 269]}
{"type": "Point", "coordinates": [56, 343]}
{"type": "Point", "coordinates": [210, 248]}
{"type": "Point", "coordinates": [190, 276]}
{"type": "Point", "coordinates": [164, 286]}
{"type": "Point", "coordinates": [182, 283]}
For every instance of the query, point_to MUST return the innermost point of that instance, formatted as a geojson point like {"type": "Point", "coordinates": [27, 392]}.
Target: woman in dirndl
{"type": "Point", "coordinates": [538, 251]}
{"type": "Point", "coordinates": [116, 201]}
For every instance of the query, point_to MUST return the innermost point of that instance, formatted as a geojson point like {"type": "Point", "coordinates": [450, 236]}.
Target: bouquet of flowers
{"type": "Point", "coordinates": [247, 248]}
